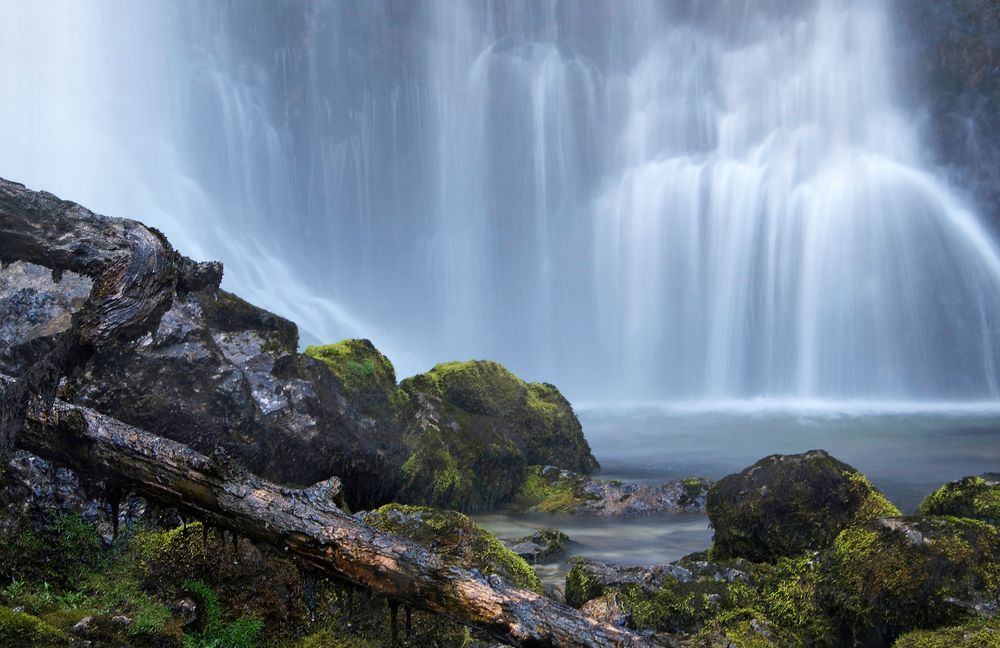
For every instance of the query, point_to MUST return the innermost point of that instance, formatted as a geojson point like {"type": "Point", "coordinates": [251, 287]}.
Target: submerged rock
{"type": "Point", "coordinates": [456, 538]}
{"type": "Point", "coordinates": [784, 505]}
{"type": "Point", "coordinates": [898, 574]}
{"type": "Point", "coordinates": [540, 546]}
{"type": "Point", "coordinates": [550, 489]}
{"type": "Point", "coordinates": [970, 497]}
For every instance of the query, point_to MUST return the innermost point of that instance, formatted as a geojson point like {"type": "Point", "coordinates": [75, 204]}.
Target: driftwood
{"type": "Point", "coordinates": [136, 274]}
{"type": "Point", "coordinates": [310, 526]}
{"type": "Point", "coordinates": [135, 270]}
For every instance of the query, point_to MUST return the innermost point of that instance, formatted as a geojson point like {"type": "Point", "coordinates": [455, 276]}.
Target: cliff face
{"type": "Point", "coordinates": [954, 58]}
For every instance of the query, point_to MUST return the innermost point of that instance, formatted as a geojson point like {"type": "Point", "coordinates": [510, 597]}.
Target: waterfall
{"type": "Point", "coordinates": [674, 200]}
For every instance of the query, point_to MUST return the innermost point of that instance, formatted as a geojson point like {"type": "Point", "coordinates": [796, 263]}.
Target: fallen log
{"type": "Point", "coordinates": [136, 274]}
{"type": "Point", "coordinates": [309, 525]}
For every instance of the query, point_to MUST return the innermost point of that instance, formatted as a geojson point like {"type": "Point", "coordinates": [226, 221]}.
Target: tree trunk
{"type": "Point", "coordinates": [309, 525]}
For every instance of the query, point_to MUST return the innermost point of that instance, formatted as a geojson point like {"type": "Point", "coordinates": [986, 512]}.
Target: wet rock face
{"type": "Point", "coordinates": [954, 52]}
{"type": "Point", "coordinates": [785, 505]}
{"type": "Point", "coordinates": [33, 309]}
{"type": "Point", "coordinates": [34, 489]}
{"type": "Point", "coordinates": [549, 489]}
{"type": "Point", "coordinates": [218, 371]}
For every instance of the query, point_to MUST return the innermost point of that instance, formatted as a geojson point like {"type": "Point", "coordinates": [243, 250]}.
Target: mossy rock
{"type": "Point", "coordinates": [457, 539]}
{"type": "Point", "coordinates": [456, 460]}
{"type": "Point", "coordinates": [18, 629]}
{"type": "Point", "coordinates": [472, 428]}
{"type": "Point", "coordinates": [695, 595]}
{"type": "Point", "coordinates": [785, 505]}
{"type": "Point", "coordinates": [970, 497]}
{"type": "Point", "coordinates": [549, 489]}
{"type": "Point", "coordinates": [975, 635]}
{"type": "Point", "coordinates": [359, 366]}
{"type": "Point", "coordinates": [744, 628]}
{"type": "Point", "coordinates": [535, 416]}
{"type": "Point", "coordinates": [894, 575]}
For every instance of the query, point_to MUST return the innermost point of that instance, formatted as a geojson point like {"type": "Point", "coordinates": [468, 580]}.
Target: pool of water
{"type": "Point", "coordinates": [907, 450]}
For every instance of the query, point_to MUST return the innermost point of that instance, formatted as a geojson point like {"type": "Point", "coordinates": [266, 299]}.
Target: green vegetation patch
{"type": "Point", "coordinates": [970, 497]}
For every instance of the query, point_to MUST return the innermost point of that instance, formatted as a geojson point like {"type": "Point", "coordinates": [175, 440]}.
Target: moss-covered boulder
{"type": "Point", "coordinates": [18, 629]}
{"type": "Point", "coordinates": [535, 416]}
{"type": "Point", "coordinates": [973, 635]}
{"type": "Point", "coordinates": [361, 368]}
{"type": "Point", "coordinates": [457, 539]}
{"type": "Point", "coordinates": [549, 489]}
{"type": "Point", "coordinates": [472, 428]}
{"type": "Point", "coordinates": [785, 505]}
{"type": "Point", "coordinates": [712, 599]}
{"type": "Point", "coordinates": [893, 575]}
{"type": "Point", "coordinates": [970, 497]}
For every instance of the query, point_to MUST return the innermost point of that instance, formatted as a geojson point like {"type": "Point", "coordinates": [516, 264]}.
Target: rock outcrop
{"type": "Point", "coordinates": [784, 505]}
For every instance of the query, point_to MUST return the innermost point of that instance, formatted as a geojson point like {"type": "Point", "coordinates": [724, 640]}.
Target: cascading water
{"type": "Point", "coordinates": [669, 200]}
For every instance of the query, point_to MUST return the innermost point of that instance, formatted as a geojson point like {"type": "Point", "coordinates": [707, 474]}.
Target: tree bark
{"type": "Point", "coordinates": [308, 524]}
{"type": "Point", "coordinates": [135, 270]}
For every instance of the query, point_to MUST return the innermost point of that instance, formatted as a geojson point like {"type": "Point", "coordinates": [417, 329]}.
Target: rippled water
{"type": "Point", "coordinates": [906, 449]}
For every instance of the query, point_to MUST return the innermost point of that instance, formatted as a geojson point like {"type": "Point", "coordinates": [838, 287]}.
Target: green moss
{"type": "Point", "coordinates": [970, 497]}
{"type": "Point", "coordinates": [895, 575]}
{"type": "Point", "coordinates": [457, 539]}
{"type": "Point", "coordinates": [18, 629]}
{"type": "Point", "coordinates": [547, 489]}
{"type": "Point", "coordinates": [479, 387]}
{"type": "Point", "coordinates": [785, 505]}
{"type": "Point", "coordinates": [743, 628]}
{"type": "Point", "coordinates": [239, 633]}
{"type": "Point", "coordinates": [359, 366]}
{"type": "Point", "coordinates": [972, 635]}
{"type": "Point", "coordinates": [336, 638]}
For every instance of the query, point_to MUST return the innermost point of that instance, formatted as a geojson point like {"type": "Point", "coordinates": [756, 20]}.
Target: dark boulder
{"type": "Point", "coordinates": [540, 546]}
{"type": "Point", "coordinates": [785, 505]}
{"type": "Point", "coordinates": [218, 372]}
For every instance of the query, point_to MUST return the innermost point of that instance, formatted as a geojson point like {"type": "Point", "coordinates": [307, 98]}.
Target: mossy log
{"type": "Point", "coordinates": [309, 525]}
{"type": "Point", "coordinates": [136, 274]}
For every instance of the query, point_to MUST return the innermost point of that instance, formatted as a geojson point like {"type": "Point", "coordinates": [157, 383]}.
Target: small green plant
{"type": "Point", "coordinates": [71, 600]}
{"type": "Point", "coordinates": [240, 633]}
